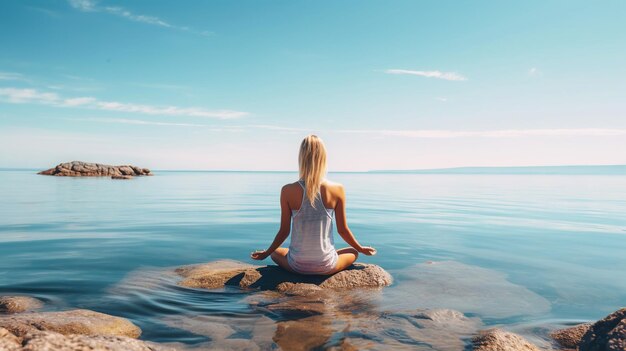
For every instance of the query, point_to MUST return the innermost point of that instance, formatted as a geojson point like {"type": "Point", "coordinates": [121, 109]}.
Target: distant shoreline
{"type": "Point", "coordinates": [564, 170]}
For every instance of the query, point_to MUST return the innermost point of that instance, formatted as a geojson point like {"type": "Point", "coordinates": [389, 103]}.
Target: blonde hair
{"type": "Point", "coordinates": [312, 162]}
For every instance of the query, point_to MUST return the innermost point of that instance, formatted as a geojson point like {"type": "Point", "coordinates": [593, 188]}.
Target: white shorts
{"type": "Point", "coordinates": [319, 267]}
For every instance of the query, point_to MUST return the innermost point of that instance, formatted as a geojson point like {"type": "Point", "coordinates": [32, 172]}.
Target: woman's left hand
{"type": "Point", "coordinates": [259, 255]}
{"type": "Point", "coordinates": [368, 251]}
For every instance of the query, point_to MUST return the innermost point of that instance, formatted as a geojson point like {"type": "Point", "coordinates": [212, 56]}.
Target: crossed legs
{"type": "Point", "coordinates": [280, 258]}
{"type": "Point", "coordinates": [347, 256]}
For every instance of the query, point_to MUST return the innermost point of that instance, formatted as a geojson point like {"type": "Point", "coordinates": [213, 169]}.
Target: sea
{"type": "Point", "coordinates": [467, 251]}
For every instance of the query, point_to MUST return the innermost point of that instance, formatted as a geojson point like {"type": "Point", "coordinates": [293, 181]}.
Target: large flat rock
{"type": "Point", "coordinates": [218, 274]}
{"type": "Point", "coordinates": [83, 322]}
{"type": "Point", "coordinates": [87, 169]}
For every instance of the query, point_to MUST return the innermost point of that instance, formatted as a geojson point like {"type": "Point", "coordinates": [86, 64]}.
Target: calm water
{"type": "Point", "coordinates": [521, 251]}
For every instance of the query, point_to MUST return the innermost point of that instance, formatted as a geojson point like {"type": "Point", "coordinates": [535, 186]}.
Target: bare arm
{"type": "Point", "coordinates": [342, 225]}
{"type": "Point", "coordinates": [283, 231]}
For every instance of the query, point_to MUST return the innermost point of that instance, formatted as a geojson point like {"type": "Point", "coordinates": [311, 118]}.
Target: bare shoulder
{"type": "Point", "coordinates": [334, 188]}
{"type": "Point", "coordinates": [290, 188]}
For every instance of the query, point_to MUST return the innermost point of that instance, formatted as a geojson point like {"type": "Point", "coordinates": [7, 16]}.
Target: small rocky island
{"type": "Point", "coordinates": [86, 169]}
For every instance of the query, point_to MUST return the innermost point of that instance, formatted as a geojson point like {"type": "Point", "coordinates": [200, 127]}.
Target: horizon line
{"type": "Point", "coordinates": [408, 170]}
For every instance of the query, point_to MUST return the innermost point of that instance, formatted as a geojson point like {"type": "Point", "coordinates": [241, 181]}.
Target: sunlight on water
{"type": "Point", "coordinates": [516, 250]}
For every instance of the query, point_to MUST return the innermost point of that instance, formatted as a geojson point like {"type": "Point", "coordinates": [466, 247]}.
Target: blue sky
{"type": "Point", "coordinates": [237, 84]}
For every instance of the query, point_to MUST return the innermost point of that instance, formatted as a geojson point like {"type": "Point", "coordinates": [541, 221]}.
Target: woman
{"type": "Point", "coordinates": [310, 203]}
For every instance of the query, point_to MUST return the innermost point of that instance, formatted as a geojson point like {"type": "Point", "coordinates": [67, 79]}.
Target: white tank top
{"type": "Point", "coordinates": [312, 247]}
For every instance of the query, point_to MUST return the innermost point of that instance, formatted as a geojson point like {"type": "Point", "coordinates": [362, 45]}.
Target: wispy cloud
{"type": "Point", "coordinates": [92, 6]}
{"type": "Point", "coordinates": [24, 96]}
{"type": "Point", "coordinates": [534, 72]}
{"type": "Point", "coordinates": [229, 128]}
{"type": "Point", "coordinates": [79, 101]}
{"type": "Point", "coordinates": [11, 76]}
{"type": "Point", "coordinates": [428, 74]}
{"type": "Point", "coordinates": [423, 134]}
{"type": "Point", "coordinates": [161, 86]}
{"type": "Point", "coordinates": [136, 122]}
{"type": "Point", "coordinates": [33, 96]}
{"type": "Point", "coordinates": [278, 128]}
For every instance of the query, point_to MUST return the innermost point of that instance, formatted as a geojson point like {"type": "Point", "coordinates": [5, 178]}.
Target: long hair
{"type": "Point", "coordinates": [312, 162]}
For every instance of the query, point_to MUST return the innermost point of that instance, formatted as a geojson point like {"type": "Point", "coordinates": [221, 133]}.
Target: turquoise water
{"type": "Point", "coordinates": [514, 250]}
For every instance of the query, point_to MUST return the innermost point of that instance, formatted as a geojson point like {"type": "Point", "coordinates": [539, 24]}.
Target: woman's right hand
{"type": "Point", "coordinates": [259, 255]}
{"type": "Point", "coordinates": [368, 251]}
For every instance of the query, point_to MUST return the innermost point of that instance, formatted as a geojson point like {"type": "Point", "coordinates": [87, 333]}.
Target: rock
{"type": "Point", "coordinates": [85, 169]}
{"type": "Point", "coordinates": [608, 334]}
{"type": "Point", "coordinates": [437, 329]}
{"type": "Point", "coordinates": [442, 330]}
{"type": "Point", "coordinates": [8, 341]}
{"type": "Point", "coordinates": [16, 304]}
{"type": "Point", "coordinates": [298, 289]}
{"type": "Point", "coordinates": [570, 337]}
{"type": "Point", "coordinates": [500, 340]}
{"type": "Point", "coordinates": [47, 341]}
{"type": "Point", "coordinates": [222, 331]}
{"type": "Point", "coordinates": [70, 322]}
{"type": "Point", "coordinates": [121, 177]}
{"type": "Point", "coordinates": [137, 170]}
{"type": "Point", "coordinates": [214, 327]}
{"type": "Point", "coordinates": [296, 308]}
{"type": "Point", "coordinates": [126, 170]}
{"type": "Point", "coordinates": [232, 273]}
{"type": "Point", "coordinates": [466, 288]}
{"type": "Point", "coordinates": [308, 333]}
{"type": "Point", "coordinates": [235, 345]}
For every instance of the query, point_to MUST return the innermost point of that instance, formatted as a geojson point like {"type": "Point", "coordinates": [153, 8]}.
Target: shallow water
{"type": "Point", "coordinates": [522, 251]}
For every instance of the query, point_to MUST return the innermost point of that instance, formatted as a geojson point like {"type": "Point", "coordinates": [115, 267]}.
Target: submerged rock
{"type": "Point", "coordinates": [462, 287]}
{"type": "Point", "coordinates": [213, 327]}
{"type": "Point", "coordinates": [222, 331]}
{"type": "Point", "coordinates": [607, 334]}
{"type": "Point", "coordinates": [441, 329]}
{"type": "Point", "coordinates": [122, 177]}
{"type": "Point", "coordinates": [16, 304]}
{"type": "Point", "coordinates": [84, 322]}
{"type": "Point", "coordinates": [570, 337]}
{"type": "Point", "coordinates": [351, 319]}
{"type": "Point", "coordinates": [85, 169]}
{"type": "Point", "coordinates": [233, 273]}
{"type": "Point", "coordinates": [500, 340]}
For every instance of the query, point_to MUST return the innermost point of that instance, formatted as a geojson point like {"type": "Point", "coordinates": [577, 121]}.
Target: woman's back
{"type": "Point", "coordinates": [307, 208]}
{"type": "Point", "coordinates": [312, 248]}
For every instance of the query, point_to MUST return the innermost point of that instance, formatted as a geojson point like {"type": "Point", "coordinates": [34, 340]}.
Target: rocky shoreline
{"type": "Point", "coordinates": [294, 313]}
{"type": "Point", "coordinates": [86, 169]}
